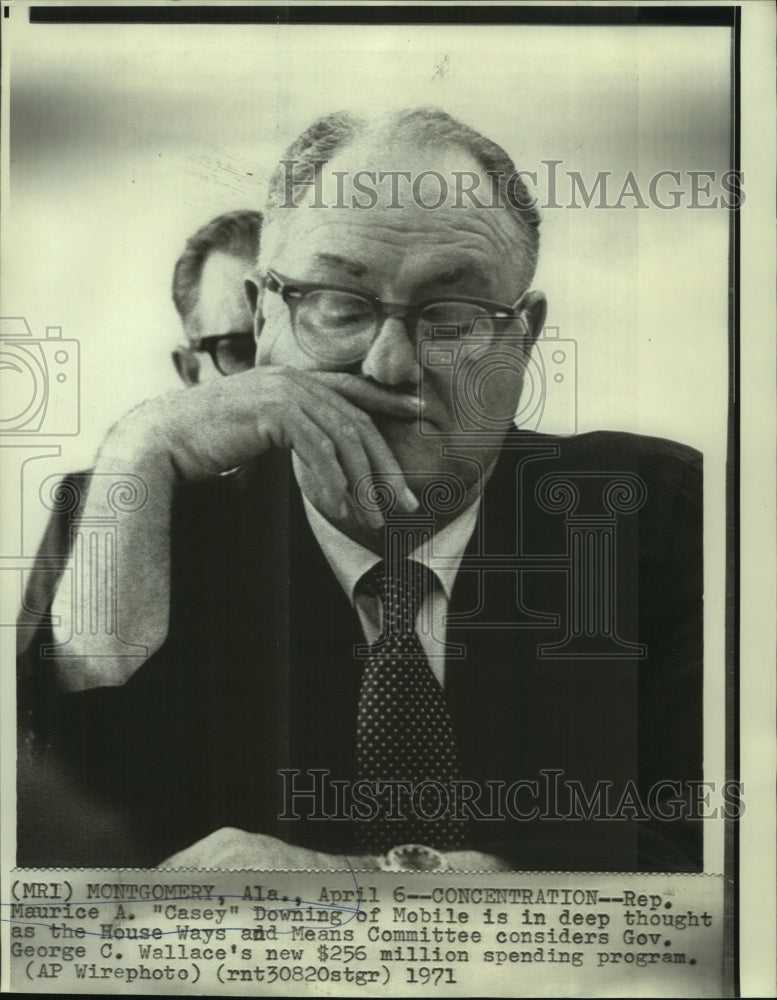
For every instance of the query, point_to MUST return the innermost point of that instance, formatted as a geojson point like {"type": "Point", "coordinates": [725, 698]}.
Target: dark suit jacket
{"type": "Point", "coordinates": [579, 624]}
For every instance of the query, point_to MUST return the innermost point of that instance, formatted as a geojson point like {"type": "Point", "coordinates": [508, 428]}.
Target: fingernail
{"type": "Point", "coordinates": [410, 499]}
{"type": "Point", "coordinates": [416, 402]}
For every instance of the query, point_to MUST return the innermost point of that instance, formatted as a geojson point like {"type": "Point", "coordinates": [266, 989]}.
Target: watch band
{"type": "Point", "coordinates": [413, 858]}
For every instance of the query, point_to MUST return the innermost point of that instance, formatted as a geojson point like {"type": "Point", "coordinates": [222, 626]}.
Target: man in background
{"type": "Point", "coordinates": [209, 296]}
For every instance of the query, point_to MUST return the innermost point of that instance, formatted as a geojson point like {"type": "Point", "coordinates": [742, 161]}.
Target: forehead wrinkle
{"type": "Point", "coordinates": [442, 256]}
{"type": "Point", "coordinates": [468, 234]}
{"type": "Point", "coordinates": [474, 265]}
{"type": "Point", "coordinates": [413, 244]}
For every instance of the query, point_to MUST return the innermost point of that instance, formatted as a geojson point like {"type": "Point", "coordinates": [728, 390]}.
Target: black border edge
{"type": "Point", "coordinates": [731, 859]}
{"type": "Point", "coordinates": [505, 14]}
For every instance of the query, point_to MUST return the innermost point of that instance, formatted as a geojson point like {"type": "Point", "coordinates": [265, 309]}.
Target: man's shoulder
{"type": "Point", "coordinates": [664, 465]}
{"type": "Point", "coordinates": [660, 477]}
{"type": "Point", "coordinates": [604, 447]}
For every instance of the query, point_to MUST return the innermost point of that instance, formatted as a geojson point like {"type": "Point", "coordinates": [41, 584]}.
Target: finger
{"type": "Point", "coordinates": [353, 461]}
{"type": "Point", "coordinates": [361, 447]}
{"type": "Point", "coordinates": [371, 396]}
{"type": "Point", "coordinates": [318, 453]}
{"type": "Point", "coordinates": [308, 478]}
{"type": "Point", "coordinates": [314, 446]}
{"type": "Point", "coordinates": [343, 511]}
{"type": "Point", "coordinates": [356, 464]}
{"type": "Point", "coordinates": [363, 452]}
{"type": "Point", "coordinates": [385, 466]}
{"type": "Point", "coordinates": [311, 421]}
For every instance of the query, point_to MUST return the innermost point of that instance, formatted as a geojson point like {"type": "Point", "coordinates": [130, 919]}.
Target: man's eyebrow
{"type": "Point", "coordinates": [353, 267]}
{"type": "Point", "coordinates": [454, 274]}
{"type": "Point", "coordinates": [461, 272]}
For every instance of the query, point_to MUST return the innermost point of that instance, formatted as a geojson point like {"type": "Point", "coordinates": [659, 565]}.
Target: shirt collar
{"type": "Point", "coordinates": [350, 560]}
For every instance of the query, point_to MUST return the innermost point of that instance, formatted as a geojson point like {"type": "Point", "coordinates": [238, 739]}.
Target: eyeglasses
{"type": "Point", "coordinates": [230, 352]}
{"type": "Point", "coordinates": [338, 325]}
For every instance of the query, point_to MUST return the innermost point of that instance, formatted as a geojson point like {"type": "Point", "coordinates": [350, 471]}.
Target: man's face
{"type": "Point", "coordinates": [222, 310]}
{"type": "Point", "coordinates": [404, 255]}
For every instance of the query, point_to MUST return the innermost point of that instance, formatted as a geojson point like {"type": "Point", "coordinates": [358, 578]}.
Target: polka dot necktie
{"type": "Point", "coordinates": [404, 730]}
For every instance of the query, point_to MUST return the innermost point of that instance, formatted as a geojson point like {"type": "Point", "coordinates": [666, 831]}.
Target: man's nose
{"type": "Point", "coordinates": [392, 359]}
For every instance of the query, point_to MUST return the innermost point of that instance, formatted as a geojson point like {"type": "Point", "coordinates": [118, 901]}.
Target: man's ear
{"type": "Point", "coordinates": [187, 364]}
{"type": "Point", "coordinates": [253, 290]}
{"type": "Point", "coordinates": [532, 310]}
{"type": "Point", "coordinates": [252, 293]}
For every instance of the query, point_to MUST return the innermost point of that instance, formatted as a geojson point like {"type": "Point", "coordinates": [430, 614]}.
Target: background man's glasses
{"type": "Point", "coordinates": [230, 352]}
{"type": "Point", "coordinates": [338, 325]}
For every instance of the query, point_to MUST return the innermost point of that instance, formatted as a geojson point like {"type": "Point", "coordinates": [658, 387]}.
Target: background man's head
{"type": "Point", "coordinates": [380, 211]}
{"type": "Point", "coordinates": [209, 294]}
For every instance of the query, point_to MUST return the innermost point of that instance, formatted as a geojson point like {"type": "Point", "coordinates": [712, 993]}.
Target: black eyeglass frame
{"type": "Point", "coordinates": [209, 345]}
{"type": "Point", "coordinates": [294, 292]}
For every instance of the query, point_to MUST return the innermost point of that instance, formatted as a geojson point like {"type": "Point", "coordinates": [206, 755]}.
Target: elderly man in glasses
{"type": "Point", "coordinates": [403, 632]}
{"type": "Point", "coordinates": [210, 300]}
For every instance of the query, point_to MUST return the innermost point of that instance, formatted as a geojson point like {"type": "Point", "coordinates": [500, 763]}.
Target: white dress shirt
{"type": "Point", "coordinates": [350, 561]}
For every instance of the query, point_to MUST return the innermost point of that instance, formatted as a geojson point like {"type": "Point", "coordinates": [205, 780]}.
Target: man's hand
{"type": "Point", "coordinates": [198, 433]}
{"type": "Point", "coordinates": [324, 417]}
{"type": "Point", "coordinates": [230, 848]}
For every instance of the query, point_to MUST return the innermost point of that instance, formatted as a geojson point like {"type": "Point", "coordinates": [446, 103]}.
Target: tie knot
{"type": "Point", "coordinates": [402, 587]}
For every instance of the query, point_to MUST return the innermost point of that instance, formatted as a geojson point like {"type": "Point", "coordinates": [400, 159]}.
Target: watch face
{"type": "Point", "coordinates": [415, 858]}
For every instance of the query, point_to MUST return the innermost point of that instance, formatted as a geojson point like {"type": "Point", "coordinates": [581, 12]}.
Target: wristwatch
{"type": "Point", "coordinates": [413, 858]}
